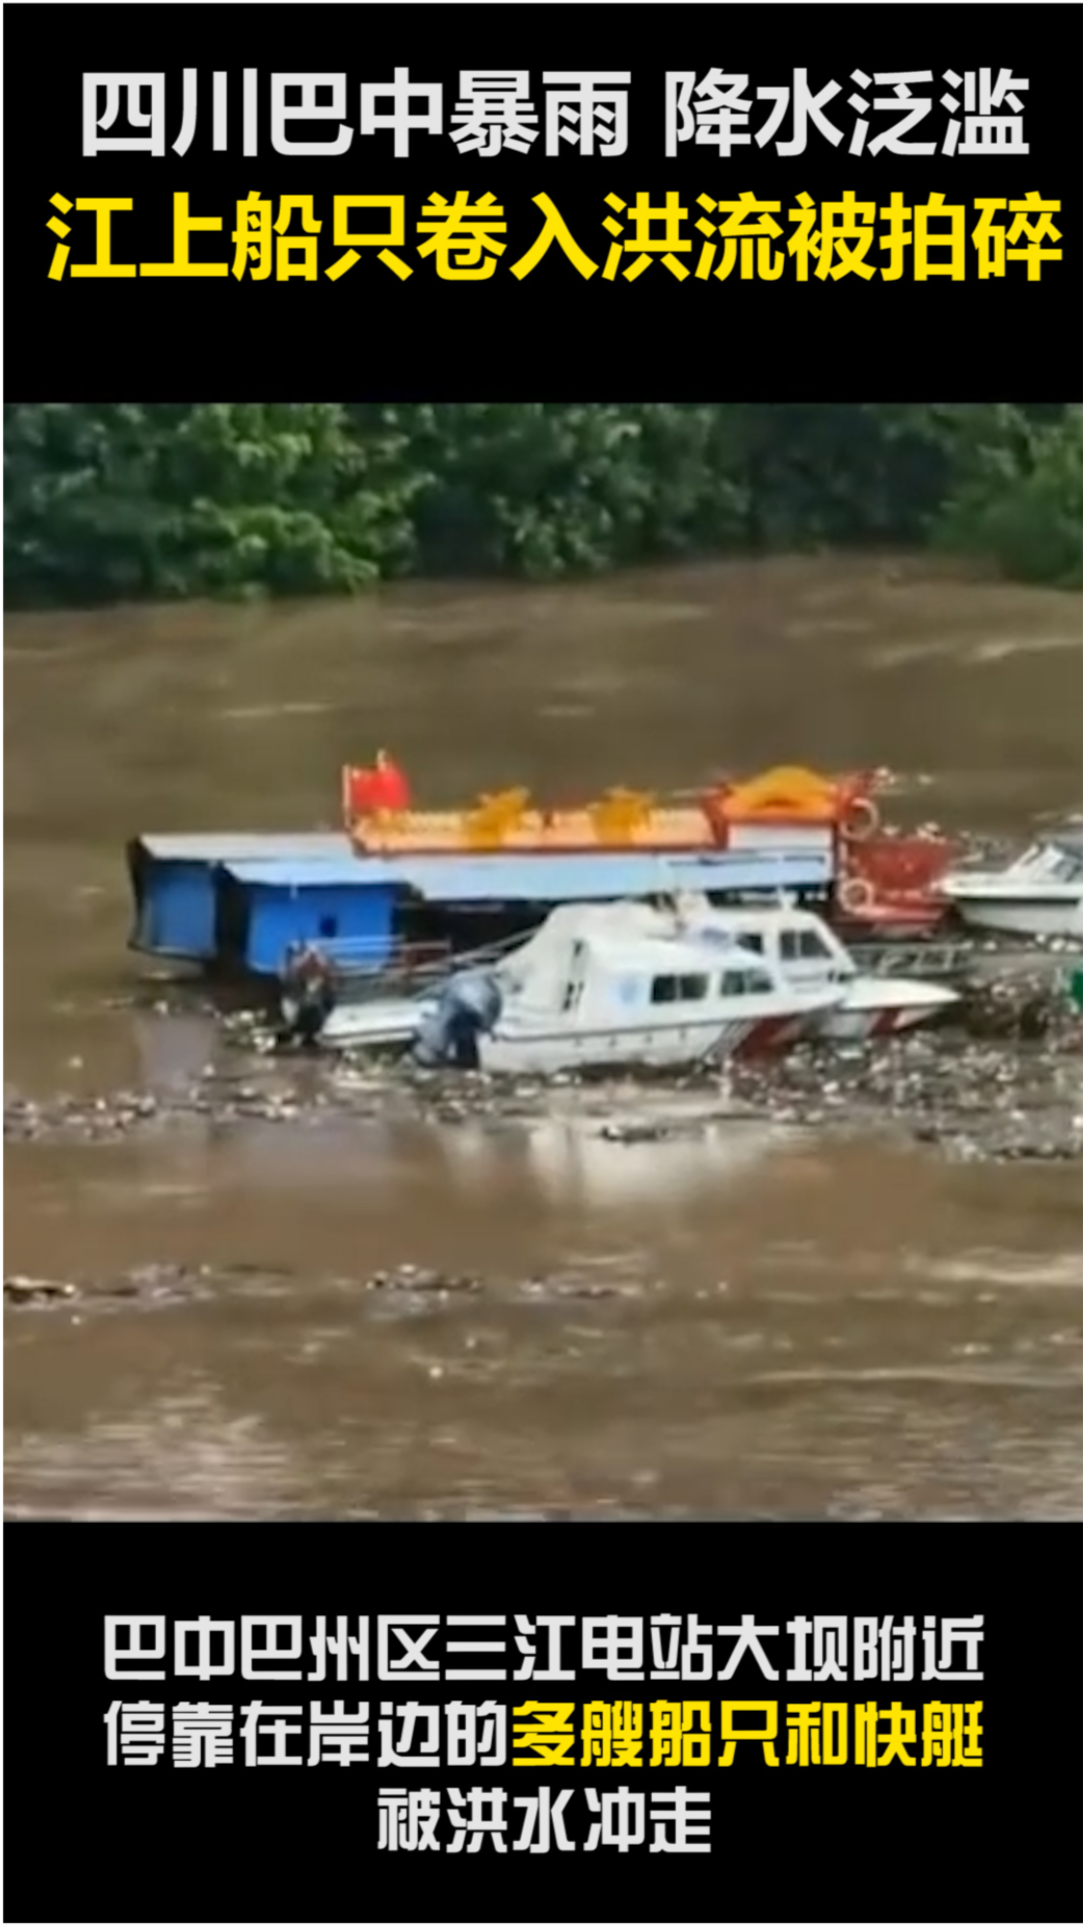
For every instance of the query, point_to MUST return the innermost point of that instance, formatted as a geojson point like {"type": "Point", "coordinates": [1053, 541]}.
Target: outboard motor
{"type": "Point", "coordinates": [469, 1008]}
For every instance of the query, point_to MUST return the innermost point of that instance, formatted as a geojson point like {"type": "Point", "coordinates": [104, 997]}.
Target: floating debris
{"type": "Point", "coordinates": [146, 1283]}
{"type": "Point", "coordinates": [1006, 1076]}
{"type": "Point", "coordinates": [408, 1277]}
{"type": "Point", "coordinates": [409, 1283]}
{"type": "Point", "coordinates": [1025, 1005]}
{"type": "Point", "coordinates": [590, 1289]}
{"type": "Point", "coordinates": [37, 1289]}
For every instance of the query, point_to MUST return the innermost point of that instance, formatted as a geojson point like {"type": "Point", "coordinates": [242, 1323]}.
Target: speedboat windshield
{"type": "Point", "coordinates": [1051, 861]}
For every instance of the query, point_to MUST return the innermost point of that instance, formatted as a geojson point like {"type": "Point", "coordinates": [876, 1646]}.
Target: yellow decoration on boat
{"type": "Point", "coordinates": [496, 818]}
{"type": "Point", "coordinates": [617, 818]}
{"type": "Point", "coordinates": [620, 820]}
{"type": "Point", "coordinates": [788, 792]}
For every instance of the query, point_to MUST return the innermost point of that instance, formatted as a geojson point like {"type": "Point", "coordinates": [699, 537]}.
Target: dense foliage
{"type": "Point", "coordinates": [118, 501]}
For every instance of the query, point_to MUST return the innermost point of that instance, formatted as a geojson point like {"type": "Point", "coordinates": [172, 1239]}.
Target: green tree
{"type": "Point", "coordinates": [1024, 511]}
{"type": "Point", "coordinates": [110, 502]}
{"type": "Point", "coordinates": [122, 501]}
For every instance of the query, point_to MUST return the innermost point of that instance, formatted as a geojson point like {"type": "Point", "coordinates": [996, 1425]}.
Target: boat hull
{"type": "Point", "coordinates": [864, 1026]}
{"type": "Point", "coordinates": [521, 1053]}
{"type": "Point", "coordinates": [1020, 916]}
{"type": "Point", "coordinates": [527, 1050]}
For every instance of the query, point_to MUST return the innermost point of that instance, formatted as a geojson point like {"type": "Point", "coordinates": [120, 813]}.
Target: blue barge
{"type": "Point", "coordinates": [237, 903]}
{"type": "Point", "coordinates": [174, 881]}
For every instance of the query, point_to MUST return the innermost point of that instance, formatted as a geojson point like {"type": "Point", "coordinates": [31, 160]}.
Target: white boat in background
{"type": "Point", "coordinates": [807, 954]}
{"type": "Point", "coordinates": [1038, 894]}
{"type": "Point", "coordinates": [597, 988]}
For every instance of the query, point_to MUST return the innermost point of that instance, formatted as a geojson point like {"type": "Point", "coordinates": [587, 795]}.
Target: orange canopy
{"type": "Point", "coordinates": [790, 794]}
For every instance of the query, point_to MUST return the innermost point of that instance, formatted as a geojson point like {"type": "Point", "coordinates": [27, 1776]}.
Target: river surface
{"type": "Point", "coordinates": [751, 1320]}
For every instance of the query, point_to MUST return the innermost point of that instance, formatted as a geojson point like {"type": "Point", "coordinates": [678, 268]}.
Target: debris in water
{"type": "Point", "coordinates": [407, 1276]}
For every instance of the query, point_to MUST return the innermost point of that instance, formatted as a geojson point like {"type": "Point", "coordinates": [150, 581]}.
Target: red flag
{"type": "Point", "coordinates": [383, 787]}
{"type": "Point", "coordinates": [393, 788]}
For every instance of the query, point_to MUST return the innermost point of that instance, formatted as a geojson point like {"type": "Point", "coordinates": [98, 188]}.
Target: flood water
{"type": "Point", "coordinates": [752, 1321]}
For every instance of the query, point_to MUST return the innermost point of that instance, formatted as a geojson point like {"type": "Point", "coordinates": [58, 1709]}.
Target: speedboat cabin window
{"type": "Point", "coordinates": [748, 940]}
{"type": "Point", "coordinates": [813, 945]}
{"type": "Point", "coordinates": [804, 945]}
{"type": "Point", "coordinates": [745, 982]}
{"type": "Point", "coordinates": [679, 989]}
{"type": "Point", "coordinates": [692, 989]}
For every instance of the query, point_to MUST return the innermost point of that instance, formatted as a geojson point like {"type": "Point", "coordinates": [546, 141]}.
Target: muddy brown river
{"type": "Point", "coordinates": [749, 1318]}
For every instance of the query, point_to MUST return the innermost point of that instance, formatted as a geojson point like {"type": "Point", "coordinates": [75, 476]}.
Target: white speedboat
{"type": "Point", "coordinates": [807, 954]}
{"type": "Point", "coordinates": [1038, 894]}
{"type": "Point", "coordinates": [597, 988]}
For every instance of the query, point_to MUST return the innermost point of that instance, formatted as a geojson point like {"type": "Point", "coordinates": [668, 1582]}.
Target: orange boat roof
{"type": "Point", "coordinates": [790, 793]}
